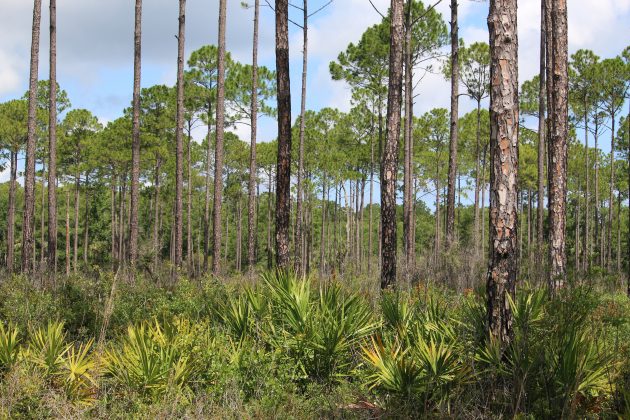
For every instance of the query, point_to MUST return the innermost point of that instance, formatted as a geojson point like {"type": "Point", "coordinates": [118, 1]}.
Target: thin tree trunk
{"type": "Point", "coordinates": [540, 211]}
{"type": "Point", "coordinates": [370, 223]}
{"type": "Point", "coordinates": [558, 149]}
{"type": "Point", "coordinates": [477, 178]}
{"type": "Point", "coordinates": [218, 150]}
{"type": "Point", "coordinates": [135, 135]}
{"type": "Point", "coordinates": [189, 236]}
{"type": "Point", "coordinates": [77, 185]}
{"type": "Point", "coordinates": [179, 133]}
{"type": "Point", "coordinates": [587, 239]}
{"type": "Point", "coordinates": [42, 220]}
{"type": "Point", "coordinates": [239, 234]}
{"type": "Point", "coordinates": [156, 217]}
{"type": "Point", "coordinates": [113, 220]}
{"type": "Point", "coordinates": [611, 195]}
{"type": "Point", "coordinates": [52, 143]}
{"type": "Point", "coordinates": [389, 163]}
{"type": "Point", "coordinates": [407, 141]}
{"type": "Point", "coordinates": [283, 171]}
{"type": "Point", "coordinates": [504, 166]}
{"type": "Point", "coordinates": [206, 213]}
{"type": "Point", "coordinates": [483, 203]}
{"type": "Point", "coordinates": [322, 259]}
{"type": "Point", "coordinates": [86, 222]}
{"type": "Point", "coordinates": [251, 207]}
{"type": "Point", "coordinates": [11, 215]}
{"type": "Point", "coordinates": [577, 229]}
{"type": "Point", "coordinates": [452, 157]}
{"type": "Point", "coordinates": [299, 240]}
{"type": "Point", "coordinates": [67, 233]}
{"type": "Point", "coordinates": [269, 223]}
{"type": "Point", "coordinates": [29, 177]}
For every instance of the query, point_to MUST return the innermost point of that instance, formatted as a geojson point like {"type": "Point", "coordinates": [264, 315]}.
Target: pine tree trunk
{"type": "Point", "coordinates": [389, 163]}
{"type": "Point", "coordinates": [189, 235]}
{"type": "Point", "coordinates": [113, 220]}
{"type": "Point", "coordinates": [587, 221]}
{"type": "Point", "coordinates": [503, 267]}
{"type": "Point", "coordinates": [42, 219]}
{"type": "Point", "coordinates": [283, 171]}
{"type": "Point", "coordinates": [477, 178]}
{"type": "Point", "coordinates": [52, 142]}
{"type": "Point", "coordinates": [11, 215]}
{"type": "Point", "coordinates": [206, 213]}
{"type": "Point", "coordinates": [269, 223]}
{"type": "Point", "coordinates": [86, 222]}
{"type": "Point", "coordinates": [67, 233]}
{"type": "Point", "coordinates": [370, 223]}
{"type": "Point", "coordinates": [75, 249]}
{"type": "Point", "coordinates": [29, 177]}
{"type": "Point", "coordinates": [322, 259]}
{"type": "Point", "coordinates": [179, 133]}
{"type": "Point", "coordinates": [558, 148]}
{"type": "Point", "coordinates": [407, 141]}
{"type": "Point", "coordinates": [239, 234]}
{"type": "Point", "coordinates": [611, 196]}
{"type": "Point", "coordinates": [597, 226]}
{"type": "Point", "coordinates": [218, 150]}
{"type": "Point", "coordinates": [540, 211]}
{"type": "Point", "coordinates": [251, 205]}
{"type": "Point", "coordinates": [135, 136]}
{"type": "Point", "coordinates": [156, 217]}
{"type": "Point", "coordinates": [452, 156]}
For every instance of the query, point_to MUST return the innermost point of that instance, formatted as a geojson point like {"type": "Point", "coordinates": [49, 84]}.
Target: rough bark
{"type": "Point", "coordinates": [206, 212]}
{"type": "Point", "coordinates": [67, 233]}
{"type": "Point", "coordinates": [179, 142]}
{"type": "Point", "coordinates": [283, 171]}
{"type": "Point", "coordinates": [135, 137]}
{"type": "Point", "coordinates": [218, 149]}
{"type": "Point", "coordinates": [558, 149]}
{"type": "Point", "coordinates": [29, 177]}
{"type": "Point", "coordinates": [251, 205]}
{"type": "Point", "coordinates": [502, 25]}
{"type": "Point", "coordinates": [611, 196]}
{"type": "Point", "coordinates": [452, 156]}
{"type": "Point", "coordinates": [477, 178]}
{"type": "Point", "coordinates": [75, 249]}
{"type": "Point", "coordinates": [189, 234]}
{"type": "Point", "coordinates": [389, 163]}
{"type": "Point", "coordinates": [587, 222]}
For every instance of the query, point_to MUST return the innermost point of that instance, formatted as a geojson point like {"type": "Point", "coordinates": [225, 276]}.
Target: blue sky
{"type": "Point", "coordinates": [95, 59]}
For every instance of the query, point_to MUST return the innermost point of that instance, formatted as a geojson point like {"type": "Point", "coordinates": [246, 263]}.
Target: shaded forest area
{"type": "Point", "coordinates": [368, 263]}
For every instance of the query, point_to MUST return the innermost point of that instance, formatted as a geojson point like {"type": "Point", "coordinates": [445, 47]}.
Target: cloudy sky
{"type": "Point", "coordinates": [95, 56]}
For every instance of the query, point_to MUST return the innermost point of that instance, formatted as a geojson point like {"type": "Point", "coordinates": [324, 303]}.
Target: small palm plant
{"type": "Point", "coordinates": [9, 346]}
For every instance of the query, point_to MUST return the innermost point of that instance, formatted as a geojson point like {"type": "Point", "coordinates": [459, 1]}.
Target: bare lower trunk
{"type": "Point", "coordinates": [218, 150]}
{"type": "Point", "coordinates": [407, 141]}
{"type": "Point", "coordinates": [558, 149]}
{"type": "Point", "coordinates": [540, 211]}
{"type": "Point", "coordinates": [156, 217]}
{"type": "Point", "coordinates": [29, 176]}
{"type": "Point", "coordinates": [206, 213]}
{"type": "Point", "coordinates": [86, 223]}
{"type": "Point", "coordinates": [11, 215]}
{"type": "Point", "coordinates": [477, 178]}
{"type": "Point", "coordinates": [179, 133]}
{"type": "Point", "coordinates": [189, 235]}
{"type": "Point", "coordinates": [67, 233]}
{"type": "Point", "coordinates": [135, 134]}
{"type": "Point", "coordinates": [452, 156]}
{"type": "Point", "coordinates": [299, 217]}
{"type": "Point", "coordinates": [283, 171]}
{"type": "Point", "coordinates": [52, 143]}
{"type": "Point", "coordinates": [389, 163]}
{"type": "Point", "coordinates": [611, 195]}
{"type": "Point", "coordinates": [77, 185]}
{"type": "Point", "coordinates": [251, 205]}
{"type": "Point", "coordinates": [503, 169]}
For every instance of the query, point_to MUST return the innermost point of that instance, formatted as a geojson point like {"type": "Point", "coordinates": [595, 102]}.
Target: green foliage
{"type": "Point", "coordinates": [9, 350]}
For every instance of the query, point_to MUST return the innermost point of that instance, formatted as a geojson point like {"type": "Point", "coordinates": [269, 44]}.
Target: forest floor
{"type": "Point", "coordinates": [279, 347]}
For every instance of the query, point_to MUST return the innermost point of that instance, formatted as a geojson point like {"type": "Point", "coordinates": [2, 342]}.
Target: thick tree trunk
{"type": "Point", "coordinates": [11, 215]}
{"type": "Point", "coordinates": [558, 149]}
{"type": "Point", "coordinates": [29, 177]}
{"type": "Point", "coordinates": [179, 133]}
{"type": "Point", "coordinates": [218, 150]}
{"type": "Point", "coordinates": [135, 138]}
{"type": "Point", "coordinates": [389, 161]}
{"type": "Point", "coordinates": [452, 156]}
{"type": "Point", "coordinates": [52, 143]}
{"type": "Point", "coordinates": [283, 171]}
{"type": "Point", "coordinates": [502, 25]}
{"type": "Point", "coordinates": [251, 204]}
